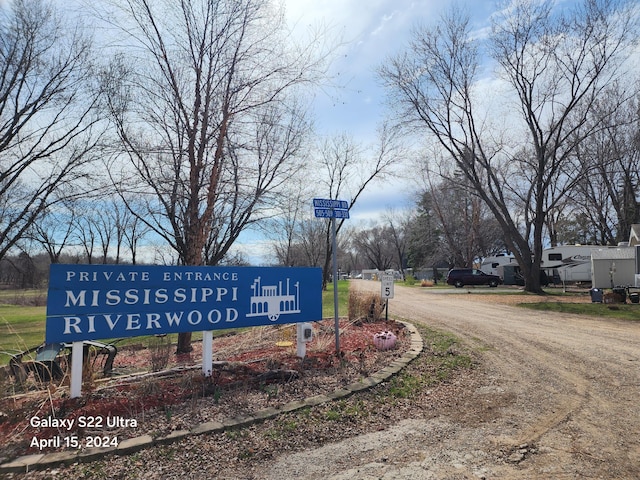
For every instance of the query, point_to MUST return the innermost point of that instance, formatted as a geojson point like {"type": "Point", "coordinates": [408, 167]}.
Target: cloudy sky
{"type": "Point", "coordinates": [373, 30]}
{"type": "Point", "coordinates": [370, 31]}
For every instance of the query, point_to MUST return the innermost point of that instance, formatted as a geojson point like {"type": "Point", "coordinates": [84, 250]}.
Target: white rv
{"type": "Point", "coordinates": [490, 265]}
{"type": "Point", "coordinates": [568, 263]}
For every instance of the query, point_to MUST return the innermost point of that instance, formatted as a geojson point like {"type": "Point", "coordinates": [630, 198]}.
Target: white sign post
{"type": "Point", "coordinates": [207, 352]}
{"type": "Point", "coordinates": [75, 388]}
{"type": "Point", "coordinates": [387, 283]}
{"type": "Point", "coordinates": [386, 291]}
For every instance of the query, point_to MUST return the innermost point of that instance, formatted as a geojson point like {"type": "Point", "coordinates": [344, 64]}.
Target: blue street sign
{"type": "Point", "coordinates": [327, 208]}
{"type": "Point", "coordinates": [331, 213]}
{"type": "Point", "coordinates": [328, 203]}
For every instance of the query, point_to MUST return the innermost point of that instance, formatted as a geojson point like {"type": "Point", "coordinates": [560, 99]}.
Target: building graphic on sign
{"type": "Point", "coordinates": [272, 301]}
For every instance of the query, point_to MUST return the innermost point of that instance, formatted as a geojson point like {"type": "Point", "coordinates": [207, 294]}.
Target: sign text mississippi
{"type": "Point", "coordinates": [88, 302]}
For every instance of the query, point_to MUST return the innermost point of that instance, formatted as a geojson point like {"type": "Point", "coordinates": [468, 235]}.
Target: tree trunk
{"type": "Point", "coordinates": [184, 343]}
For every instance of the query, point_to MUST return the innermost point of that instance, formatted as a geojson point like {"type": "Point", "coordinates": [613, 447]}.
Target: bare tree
{"type": "Point", "coordinates": [608, 197]}
{"type": "Point", "coordinates": [311, 236]}
{"type": "Point", "coordinates": [114, 226]}
{"type": "Point", "coordinates": [131, 229]}
{"type": "Point", "coordinates": [53, 230]}
{"type": "Point", "coordinates": [84, 232]}
{"type": "Point", "coordinates": [554, 65]}
{"type": "Point", "coordinates": [399, 224]}
{"type": "Point", "coordinates": [102, 221]}
{"type": "Point", "coordinates": [453, 226]}
{"type": "Point", "coordinates": [292, 211]}
{"type": "Point", "coordinates": [346, 170]}
{"type": "Point", "coordinates": [48, 123]}
{"type": "Point", "coordinates": [208, 117]}
{"type": "Point", "coordinates": [375, 244]}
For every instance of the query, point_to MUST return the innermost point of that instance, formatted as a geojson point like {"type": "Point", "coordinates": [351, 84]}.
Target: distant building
{"type": "Point", "coordinates": [371, 274]}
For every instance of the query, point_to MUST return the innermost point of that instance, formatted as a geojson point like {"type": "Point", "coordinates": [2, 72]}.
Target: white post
{"type": "Point", "coordinates": [76, 369]}
{"type": "Point", "coordinates": [207, 353]}
{"type": "Point", "coordinates": [301, 345]}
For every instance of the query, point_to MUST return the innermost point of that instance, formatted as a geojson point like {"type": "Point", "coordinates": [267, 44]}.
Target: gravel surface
{"type": "Point", "coordinates": [564, 390]}
{"type": "Point", "coordinates": [552, 396]}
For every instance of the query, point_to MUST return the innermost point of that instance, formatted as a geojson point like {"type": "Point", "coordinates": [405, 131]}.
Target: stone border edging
{"type": "Point", "coordinates": [27, 463]}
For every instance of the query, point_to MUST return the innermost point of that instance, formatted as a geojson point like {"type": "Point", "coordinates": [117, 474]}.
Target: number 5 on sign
{"type": "Point", "coordinates": [387, 286]}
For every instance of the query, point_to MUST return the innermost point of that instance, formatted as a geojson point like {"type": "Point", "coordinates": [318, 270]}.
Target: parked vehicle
{"type": "Point", "coordinates": [568, 263]}
{"type": "Point", "coordinates": [491, 265]}
{"type": "Point", "coordinates": [459, 277]}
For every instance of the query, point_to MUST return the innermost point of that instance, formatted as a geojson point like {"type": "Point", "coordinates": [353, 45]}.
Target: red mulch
{"type": "Point", "coordinates": [115, 398]}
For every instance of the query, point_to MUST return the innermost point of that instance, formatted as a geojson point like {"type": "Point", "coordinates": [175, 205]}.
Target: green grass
{"type": "Point", "coordinates": [620, 311]}
{"type": "Point", "coordinates": [343, 299]}
{"type": "Point", "coordinates": [21, 327]}
{"type": "Point", "coordinates": [346, 411]}
{"type": "Point", "coordinates": [443, 356]}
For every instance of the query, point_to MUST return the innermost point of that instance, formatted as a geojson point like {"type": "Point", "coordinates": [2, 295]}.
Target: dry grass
{"type": "Point", "coordinates": [365, 306]}
{"type": "Point", "coordinates": [160, 349]}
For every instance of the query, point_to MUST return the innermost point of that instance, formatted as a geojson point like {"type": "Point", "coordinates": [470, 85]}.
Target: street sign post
{"type": "Point", "coordinates": [330, 208]}
{"type": "Point", "coordinates": [330, 203]}
{"type": "Point", "coordinates": [387, 283]}
{"type": "Point", "coordinates": [386, 291]}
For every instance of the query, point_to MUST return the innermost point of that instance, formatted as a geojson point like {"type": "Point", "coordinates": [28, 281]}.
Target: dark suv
{"type": "Point", "coordinates": [459, 277]}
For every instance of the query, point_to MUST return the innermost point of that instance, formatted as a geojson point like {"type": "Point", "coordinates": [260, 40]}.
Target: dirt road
{"type": "Point", "coordinates": [559, 398]}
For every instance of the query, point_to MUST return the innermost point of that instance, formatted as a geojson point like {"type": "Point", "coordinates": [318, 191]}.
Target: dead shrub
{"type": "Point", "coordinates": [160, 351]}
{"type": "Point", "coordinates": [322, 339]}
{"type": "Point", "coordinates": [611, 297]}
{"type": "Point", "coordinates": [365, 306]}
{"type": "Point", "coordinates": [7, 386]}
{"type": "Point", "coordinates": [149, 387]}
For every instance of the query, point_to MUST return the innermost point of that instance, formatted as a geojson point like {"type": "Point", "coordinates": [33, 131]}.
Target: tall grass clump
{"type": "Point", "coordinates": [365, 306]}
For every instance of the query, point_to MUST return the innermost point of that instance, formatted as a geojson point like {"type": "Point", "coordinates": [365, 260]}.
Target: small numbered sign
{"type": "Point", "coordinates": [387, 286]}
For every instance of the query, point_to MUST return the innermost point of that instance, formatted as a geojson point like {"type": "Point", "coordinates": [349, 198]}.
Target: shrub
{"type": "Point", "coordinates": [160, 349]}
{"type": "Point", "coordinates": [365, 306]}
{"type": "Point", "coordinates": [612, 297]}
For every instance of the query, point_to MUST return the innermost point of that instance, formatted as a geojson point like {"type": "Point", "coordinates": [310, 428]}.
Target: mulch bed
{"type": "Point", "coordinates": [252, 370]}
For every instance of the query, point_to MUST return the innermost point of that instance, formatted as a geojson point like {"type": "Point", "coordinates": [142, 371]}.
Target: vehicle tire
{"type": "Point", "coordinates": [458, 284]}
{"type": "Point", "coordinates": [493, 283]}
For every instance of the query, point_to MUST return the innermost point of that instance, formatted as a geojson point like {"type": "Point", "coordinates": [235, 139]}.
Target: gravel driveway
{"type": "Point", "coordinates": [559, 398]}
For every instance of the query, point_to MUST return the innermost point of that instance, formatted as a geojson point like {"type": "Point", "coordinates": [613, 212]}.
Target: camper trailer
{"type": "Point", "coordinates": [491, 265]}
{"type": "Point", "coordinates": [568, 263]}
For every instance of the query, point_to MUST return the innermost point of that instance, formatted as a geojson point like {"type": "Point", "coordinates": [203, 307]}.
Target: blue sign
{"type": "Point", "coordinates": [88, 302]}
{"type": "Point", "coordinates": [327, 208]}
{"type": "Point", "coordinates": [328, 203]}
{"type": "Point", "coordinates": [331, 213]}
